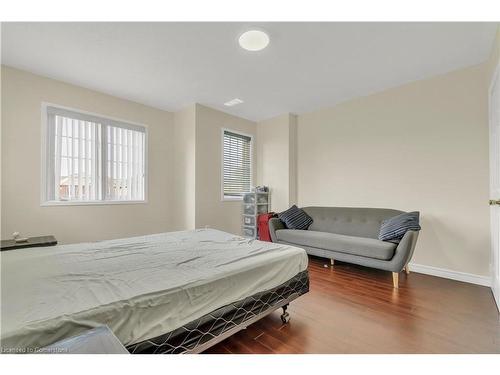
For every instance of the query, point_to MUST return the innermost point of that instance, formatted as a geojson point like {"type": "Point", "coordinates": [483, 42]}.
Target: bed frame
{"type": "Point", "coordinates": [210, 329]}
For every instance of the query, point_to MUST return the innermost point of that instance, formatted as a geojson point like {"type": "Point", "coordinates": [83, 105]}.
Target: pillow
{"type": "Point", "coordinates": [394, 228]}
{"type": "Point", "coordinates": [295, 218]}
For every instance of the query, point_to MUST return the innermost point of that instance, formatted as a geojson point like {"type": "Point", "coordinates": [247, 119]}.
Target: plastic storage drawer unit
{"type": "Point", "coordinates": [249, 220]}
{"type": "Point", "coordinates": [254, 204]}
{"type": "Point", "coordinates": [249, 232]}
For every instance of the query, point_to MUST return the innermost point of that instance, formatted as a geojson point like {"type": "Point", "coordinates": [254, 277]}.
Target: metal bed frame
{"type": "Point", "coordinates": [205, 332]}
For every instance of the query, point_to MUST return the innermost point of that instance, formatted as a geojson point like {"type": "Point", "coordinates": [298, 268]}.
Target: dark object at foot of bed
{"type": "Point", "coordinates": [212, 328]}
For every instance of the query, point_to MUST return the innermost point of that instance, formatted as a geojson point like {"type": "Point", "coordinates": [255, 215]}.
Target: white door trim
{"type": "Point", "coordinates": [495, 278]}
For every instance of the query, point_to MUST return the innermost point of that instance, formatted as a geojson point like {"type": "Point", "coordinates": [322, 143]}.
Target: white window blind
{"type": "Point", "coordinates": [125, 164]}
{"type": "Point", "coordinates": [237, 164]}
{"type": "Point", "coordinates": [91, 159]}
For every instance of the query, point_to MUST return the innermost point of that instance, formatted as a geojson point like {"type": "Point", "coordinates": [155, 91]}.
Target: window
{"type": "Point", "coordinates": [91, 159]}
{"type": "Point", "coordinates": [236, 164]}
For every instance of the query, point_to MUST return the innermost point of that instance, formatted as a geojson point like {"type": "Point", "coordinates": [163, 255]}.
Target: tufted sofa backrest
{"type": "Point", "coordinates": [350, 221]}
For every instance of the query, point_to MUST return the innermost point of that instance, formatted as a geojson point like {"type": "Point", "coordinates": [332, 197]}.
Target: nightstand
{"type": "Point", "coordinates": [32, 242]}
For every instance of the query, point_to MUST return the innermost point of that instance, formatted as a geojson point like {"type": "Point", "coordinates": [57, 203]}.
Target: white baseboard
{"type": "Point", "coordinates": [450, 274]}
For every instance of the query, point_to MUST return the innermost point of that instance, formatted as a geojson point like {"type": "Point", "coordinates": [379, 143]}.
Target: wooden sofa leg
{"type": "Point", "coordinates": [395, 280]}
{"type": "Point", "coordinates": [407, 269]}
{"type": "Point", "coordinates": [332, 262]}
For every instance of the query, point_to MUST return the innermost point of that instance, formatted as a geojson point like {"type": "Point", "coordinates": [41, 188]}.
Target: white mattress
{"type": "Point", "coordinates": [141, 287]}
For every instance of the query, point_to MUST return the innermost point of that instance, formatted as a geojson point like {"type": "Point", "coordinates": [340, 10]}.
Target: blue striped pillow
{"type": "Point", "coordinates": [295, 218]}
{"type": "Point", "coordinates": [394, 228]}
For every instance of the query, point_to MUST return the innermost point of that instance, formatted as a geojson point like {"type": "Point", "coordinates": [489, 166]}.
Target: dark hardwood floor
{"type": "Point", "coordinates": [351, 309]}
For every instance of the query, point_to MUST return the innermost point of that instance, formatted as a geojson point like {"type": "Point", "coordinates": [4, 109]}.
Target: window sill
{"type": "Point", "coordinates": [88, 203]}
{"type": "Point", "coordinates": [232, 199]}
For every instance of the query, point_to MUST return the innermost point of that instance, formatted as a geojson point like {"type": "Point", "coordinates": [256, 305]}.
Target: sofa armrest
{"type": "Point", "coordinates": [404, 251]}
{"type": "Point", "coordinates": [274, 225]}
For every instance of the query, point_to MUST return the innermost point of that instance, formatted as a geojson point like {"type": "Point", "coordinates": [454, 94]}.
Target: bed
{"type": "Point", "coordinates": [176, 292]}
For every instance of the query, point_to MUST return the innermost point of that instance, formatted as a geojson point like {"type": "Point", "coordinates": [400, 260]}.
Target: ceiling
{"type": "Point", "coordinates": [305, 67]}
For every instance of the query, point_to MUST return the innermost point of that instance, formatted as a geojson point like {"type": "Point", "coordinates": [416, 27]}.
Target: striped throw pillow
{"type": "Point", "coordinates": [394, 228]}
{"type": "Point", "coordinates": [295, 218]}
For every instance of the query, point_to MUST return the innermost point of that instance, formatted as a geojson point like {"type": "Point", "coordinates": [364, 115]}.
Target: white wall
{"type": "Point", "coordinates": [422, 146]}
{"type": "Point", "coordinates": [494, 59]}
{"type": "Point", "coordinates": [185, 168]}
{"type": "Point", "coordinates": [276, 159]}
{"type": "Point", "coordinates": [210, 209]}
{"type": "Point", "coordinates": [22, 95]}
{"type": "Point", "coordinates": [293, 158]}
{"type": "Point", "coordinates": [198, 169]}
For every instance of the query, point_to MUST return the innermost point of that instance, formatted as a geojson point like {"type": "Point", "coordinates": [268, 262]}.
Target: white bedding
{"type": "Point", "coordinates": [141, 287]}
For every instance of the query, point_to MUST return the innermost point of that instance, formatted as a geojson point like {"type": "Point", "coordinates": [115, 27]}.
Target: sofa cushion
{"type": "Point", "coordinates": [394, 228]}
{"type": "Point", "coordinates": [295, 218]}
{"type": "Point", "coordinates": [361, 246]}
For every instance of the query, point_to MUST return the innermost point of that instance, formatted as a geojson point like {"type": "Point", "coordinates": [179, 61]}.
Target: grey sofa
{"type": "Point", "coordinates": [349, 235]}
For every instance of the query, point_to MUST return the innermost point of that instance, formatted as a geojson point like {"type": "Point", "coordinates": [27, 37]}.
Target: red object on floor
{"type": "Point", "coordinates": [263, 225]}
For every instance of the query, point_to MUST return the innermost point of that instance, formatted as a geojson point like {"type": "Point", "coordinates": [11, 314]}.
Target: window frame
{"type": "Point", "coordinates": [44, 200]}
{"type": "Point", "coordinates": [225, 198]}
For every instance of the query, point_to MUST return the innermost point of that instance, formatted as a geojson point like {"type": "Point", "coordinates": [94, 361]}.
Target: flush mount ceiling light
{"type": "Point", "coordinates": [233, 102]}
{"type": "Point", "coordinates": [254, 40]}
